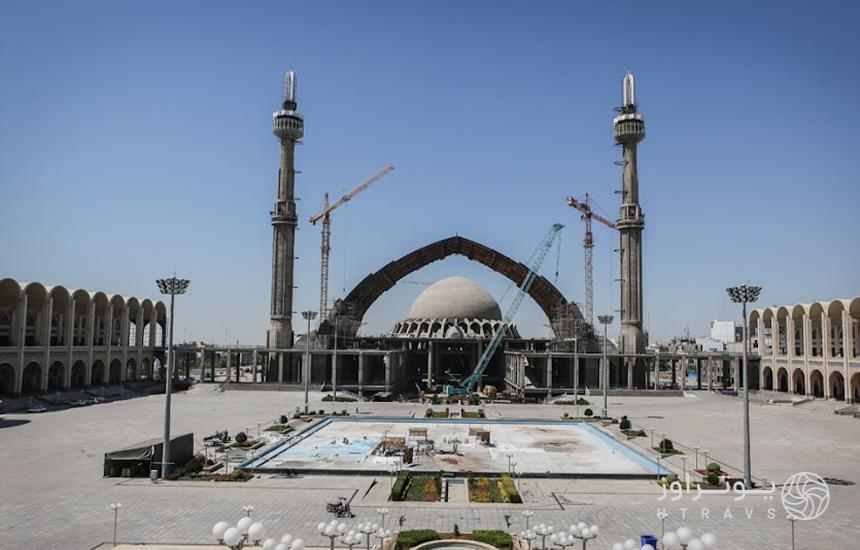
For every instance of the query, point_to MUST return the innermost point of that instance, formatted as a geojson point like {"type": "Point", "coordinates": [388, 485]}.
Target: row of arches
{"type": "Point", "coordinates": [450, 328]}
{"type": "Point", "coordinates": [35, 377]}
{"type": "Point", "coordinates": [32, 314]}
{"type": "Point", "coordinates": [819, 329]}
{"type": "Point", "coordinates": [813, 385]}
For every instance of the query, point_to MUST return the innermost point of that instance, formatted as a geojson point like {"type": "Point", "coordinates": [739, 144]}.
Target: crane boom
{"type": "Point", "coordinates": [588, 244]}
{"type": "Point", "coordinates": [468, 384]}
{"type": "Point", "coordinates": [355, 191]}
{"type": "Point", "coordinates": [325, 216]}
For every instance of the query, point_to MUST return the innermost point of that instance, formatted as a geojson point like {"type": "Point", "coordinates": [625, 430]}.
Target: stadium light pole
{"type": "Point", "coordinates": [745, 294]}
{"type": "Point", "coordinates": [605, 320]}
{"type": "Point", "coordinates": [308, 316]}
{"type": "Point", "coordinates": [172, 286]}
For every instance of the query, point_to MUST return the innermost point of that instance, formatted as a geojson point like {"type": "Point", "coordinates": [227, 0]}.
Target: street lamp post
{"type": "Point", "coordinates": [382, 513]}
{"type": "Point", "coordinates": [308, 316]}
{"type": "Point", "coordinates": [172, 286]}
{"type": "Point", "coordinates": [116, 506]}
{"type": "Point", "coordinates": [527, 514]}
{"type": "Point", "coordinates": [334, 369]}
{"type": "Point", "coordinates": [583, 532]}
{"type": "Point", "coordinates": [745, 294]}
{"type": "Point", "coordinates": [543, 530]}
{"type": "Point", "coordinates": [576, 365]}
{"type": "Point", "coordinates": [605, 320]}
{"type": "Point", "coordinates": [331, 530]}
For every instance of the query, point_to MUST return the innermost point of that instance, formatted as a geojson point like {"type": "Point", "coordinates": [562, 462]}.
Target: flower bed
{"type": "Point", "coordinates": [424, 489]}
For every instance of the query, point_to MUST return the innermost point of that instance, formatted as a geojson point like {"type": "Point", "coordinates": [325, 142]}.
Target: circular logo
{"type": "Point", "coordinates": [805, 496]}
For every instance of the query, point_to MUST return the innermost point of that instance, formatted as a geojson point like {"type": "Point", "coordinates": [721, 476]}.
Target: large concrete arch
{"type": "Point", "coordinates": [544, 293]}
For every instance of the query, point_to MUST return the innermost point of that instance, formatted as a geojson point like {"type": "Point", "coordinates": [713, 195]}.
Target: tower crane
{"type": "Point", "coordinates": [325, 216]}
{"type": "Point", "coordinates": [466, 385]}
{"type": "Point", "coordinates": [588, 245]}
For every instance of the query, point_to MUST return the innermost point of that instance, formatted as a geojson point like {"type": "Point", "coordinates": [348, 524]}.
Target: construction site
{"type": "Point", "coordinates": [456, 338]}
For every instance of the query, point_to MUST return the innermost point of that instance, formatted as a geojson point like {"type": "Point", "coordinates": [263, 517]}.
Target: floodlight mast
{"type": "Point", "coordinates": [745, 294]}
{"type": "Point", "coordinates": [171, 286]}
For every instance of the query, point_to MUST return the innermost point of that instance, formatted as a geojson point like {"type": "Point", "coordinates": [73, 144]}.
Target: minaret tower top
{"type": "Point", "coordinates": [288, 123]}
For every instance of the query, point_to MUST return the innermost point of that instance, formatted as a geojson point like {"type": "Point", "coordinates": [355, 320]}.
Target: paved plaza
{"type": "Point", "coordinates": [52, 490]}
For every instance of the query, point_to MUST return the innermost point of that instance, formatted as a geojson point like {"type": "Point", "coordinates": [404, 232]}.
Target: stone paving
{"type": "Point", "coordinates": [51, 489]}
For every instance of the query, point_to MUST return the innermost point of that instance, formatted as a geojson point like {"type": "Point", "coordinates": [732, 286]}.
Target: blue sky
{"type": "Point", "coordinates": [135, 139]}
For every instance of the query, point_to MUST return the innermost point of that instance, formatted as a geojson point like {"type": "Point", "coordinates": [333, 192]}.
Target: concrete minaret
{"type": "Point", "coordinates": [288, 127]}
{"type": "Point", "coordinates": [629, 131]}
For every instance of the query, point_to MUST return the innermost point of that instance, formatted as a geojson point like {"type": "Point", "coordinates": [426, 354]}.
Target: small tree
{"type": "Point", "coordinates": [714, 473]}
{"type": "Point", "coordinates": [283, 419]}
{"type": "Point", "coordinates": [589, 412]}
{"type": "Point", "coordinates": [625, 423]}
{"type": "Point", "coordinates": [666, 446]}
{"type": "Point", "coordinates": [241, 437]}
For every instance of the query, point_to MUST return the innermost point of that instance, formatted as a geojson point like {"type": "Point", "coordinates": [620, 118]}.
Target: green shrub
{"type": "Point", "coordinates": [428, 413]}
{"type": "Point", "coordinates": [241, 437]}
{"type": "Point", "coordinates": [496, 538]}
{"type": "Point", "coordinates": [666, 446]}
{"type": "Point", "coordinates": [714, 470]}
{"type": "Point", "coordinates": [283, 419]}
{"type": "Point", "coordinates": [398, 490]}
{"type": "Point", "coordinates": [474, 399]}
{"type": "Point", "coordinates": [409, 539]}
{"type": "Point", "coordinates": [194, 465]}
{"type": "Point", "coordinates": [322, 411]}
{"type": "Point", "coordinates": [589, 412]}
{"type": "Point", "coordinates": [582, 401]}
{"type": "Point", "coordinates": [508, 490]}
{"type": "Point", "coordinates": [456, 530]}
{"type": "Point", "coordinates": [624, 424]}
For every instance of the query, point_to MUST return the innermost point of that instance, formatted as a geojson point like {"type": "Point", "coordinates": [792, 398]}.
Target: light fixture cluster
{"type": "Point", "coordinates": [744, 294]}
{"type": "Point", "coordinates": [173, 285]}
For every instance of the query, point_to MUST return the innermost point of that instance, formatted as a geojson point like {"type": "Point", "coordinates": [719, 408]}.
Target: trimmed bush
{"type": "Point", "coordinates": [496, 538]}
{"type": "Point", "coordinates": [624, 424]}
{"type": "Point", "coordinates": [398, 490]}
{"type": "Point", "coordinates": [283, 419]}
{"type": "Point", "coordinates": [241, 437]}
{"type": "Point", "coordinates": [508, 490]}
{"type": "Point", "coordinates": [589, 412]}
{"type": "Point", "coordinates": [428, 413]}
{"type": "Point", "coordinates": [666, 446]}
{"type": "Point", "coordinates": [714, 470]}
{"type": "Point", "coordinates": [409, 539]}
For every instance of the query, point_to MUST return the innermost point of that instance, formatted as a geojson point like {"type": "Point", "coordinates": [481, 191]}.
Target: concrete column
{"type": "Point", "coordinates": [108, 340]}
{"type": "Point", "coordinates": [334, 362]}
{"type": "Point", "coordinates": [69, 333]}
{"type": "Point", "coordinates": [631, 366]}
{"type": "Point", "coordinates": [387, 361]}
{"type": "Point", "coordinates": [710, 368]}
{"type": "Point", "coordinates": [827, 343]}
{"type": "Point", "coordinates": [683, 368]}
{"type": "Point", "coordinates": [698, 373]}
{"type": "Point", "coordinates": [549, 375]}
{"type": "Point", "coordinates": [674, 372]}
{"type": "Point", "coordinates": [760, 329]}
{"type": "Point", "coordinates": [576, 373]}
{"type": "Point", "coordinates": [90, 341]}
{"type": "Point", "coordinates": [360, 372]}
{"type": "Point", "coordinates": [789, 337]}
{"type": "Point", "coordinates": [737, 374]}
{"type": "Point", "coordinates": [281, 368]}
{"type": "Point", "coordinates": [23, 304]}
{"type": "Point", "coordinates": [124, 342]}
{"type": "Point", "coordinates": [47, 316]}
{"type": "Point", "coordinates": [430, 365]}
{"type": "Point", "coordinates": [153, 328]}
{"type": "Point", "coordinates": [254, 369]}
{"type": "Point", "coordinates": [229, 365]}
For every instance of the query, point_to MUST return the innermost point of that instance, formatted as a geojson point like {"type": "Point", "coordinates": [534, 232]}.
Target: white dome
{"type": "Point", "coordinates": [455, 298]}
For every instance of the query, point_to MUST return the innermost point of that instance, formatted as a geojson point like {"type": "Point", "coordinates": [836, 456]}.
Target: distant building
{"type": "Point", "coordinates": [724, 331]}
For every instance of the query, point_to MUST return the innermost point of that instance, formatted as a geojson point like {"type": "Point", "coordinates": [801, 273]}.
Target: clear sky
{"type": "Point", "coordinates": [135, 139]}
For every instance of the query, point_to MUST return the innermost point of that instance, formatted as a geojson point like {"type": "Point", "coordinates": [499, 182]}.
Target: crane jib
{"type": "Point", "coordinates": [468, 384]}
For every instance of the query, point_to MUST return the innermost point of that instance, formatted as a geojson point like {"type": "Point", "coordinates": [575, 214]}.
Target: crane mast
{"type": "Point", "coordinates": [588, 244]}
{"type": "Point", "coordinates": [325, 247]}
{"type": "Point", "coordinates": [468, 384]}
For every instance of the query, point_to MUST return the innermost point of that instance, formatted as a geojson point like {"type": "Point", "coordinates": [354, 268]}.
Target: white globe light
{"type": "Point", "coordinates": [321, 526]}
{"type": "Point", "coordinates": [286, 540]}
{"type": "Point", "coordinates": [670, 540]}
{"type": "Point", "coordinates": [341, 528]}
{"type": "Point", "coordinates": [282, 547]}
{"type": "Point", "coordinates": [630, 544]}
{"type": "Point", "coordinates": [696, 544]}
{"type": "Point", "coordinates": [244, 524]}
{"type": "Point", "coordinates": [647, 547]}
{"type": "Point", "coordinates": [617, 546]}
{"type": "Point", "coordinates": [574, 530]}
{"type": "Point", "coordinates": [219, 528]}
{"type": "Point", "coordinates": [256, 531]}
{"type": "Point", "coordinates": [329, 530]}
{"type": "Point", "coordinates": [684, 534]}
{"type": "Point", "coordinates": [594, 529]}
{"type": "Point", "coordinates": [375, 526]}
{"type": "Point", "coordinates": [297, 544]}
{"type": "Point", "coordinates": [582, 525]}
{"type": "Point", "coordinates": [232, 536]}
{"type": "Point", "coordinates": [269, 544]}
{"type": "Point", "coordinates": [586, 532]}
{"type": "Point", "coordinates": [709, 540]}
